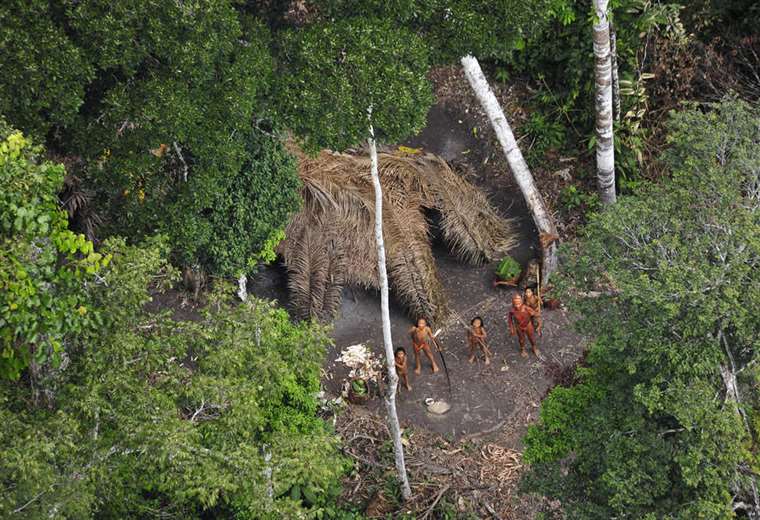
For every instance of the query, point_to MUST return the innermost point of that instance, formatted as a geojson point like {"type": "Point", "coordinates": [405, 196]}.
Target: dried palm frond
{"type": "Point", "coordinates": [334, 283]}
{"type": "Point", "coordinates": [316, 267]}
{"type": "Point", "coordinates": [319, 263]}
{"type": "Point", "coordinates": [411, 266]}
{"type": "Point", "coordinates": [470, 226]}
{"type": "Point", "coordinates": [330, 242]}
{"type": "Point", "coordinates": [298, 264]}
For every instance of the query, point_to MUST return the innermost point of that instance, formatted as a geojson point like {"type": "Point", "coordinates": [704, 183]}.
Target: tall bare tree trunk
{"type": "Point", "coordinates": [615, 76]}
{"type": "Point", "coordinates": [541, 216]}
{"type": "Point", "coordinates": [182, 160]}
{"type": "Point", "coordinates": [390, 396]}
{"type": "Point", "coordinates": [605, 146]}
{"type": "Point", "coordinates": [242, 291]}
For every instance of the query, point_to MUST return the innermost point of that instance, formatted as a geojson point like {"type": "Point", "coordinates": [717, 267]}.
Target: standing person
{"type": "Point", "coordinates": [531, 300]}
{"type": "Point", "coordinates": [422, 336]}
{"type": "Point", "coordinates": [402, 367]}
{"type": "Point", "coordinates": [476, 339]}
{"type": "Point", "coordinates": [520, 321]}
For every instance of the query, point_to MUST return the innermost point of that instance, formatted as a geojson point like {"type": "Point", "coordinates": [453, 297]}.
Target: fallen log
{"type": "Point", "coordinates": [541, 216]}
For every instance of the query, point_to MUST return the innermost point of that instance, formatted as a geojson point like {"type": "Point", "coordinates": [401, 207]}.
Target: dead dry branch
{"type": "Point", "coordinates": [468, 477]}
{"type": "Point", "coordinates": [329, 244]}
{"type": "Point", "coordinates": [501, 465]}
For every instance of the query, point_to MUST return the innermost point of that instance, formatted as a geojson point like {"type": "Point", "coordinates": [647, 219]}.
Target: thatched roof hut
{"type": "Point", "coordinates": [330, 242]}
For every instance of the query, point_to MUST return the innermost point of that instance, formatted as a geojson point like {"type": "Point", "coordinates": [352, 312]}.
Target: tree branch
{"type": "Point", "coordinates": [34, 499]}
{"type": "Point", "coordinates": [732, 394]}
{"type": "Point", "coordinates": [182, 160]}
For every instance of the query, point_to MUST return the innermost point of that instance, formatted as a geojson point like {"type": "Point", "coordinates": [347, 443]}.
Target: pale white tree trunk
{"type": "Point", "coordinates": [268, 471]}
{"type": "Point", "coordinates": [242, 291]}
{"type": "Point", "coordinates": [182, 160]}
{"type": "Point", "coordinates": [605, 147]}
{"type": "Point", "coordinates": [615, 75]}
{"type": "Point", "coordinates": [541, 216]}
{"type": "Point", "coordinates": [390, 395]}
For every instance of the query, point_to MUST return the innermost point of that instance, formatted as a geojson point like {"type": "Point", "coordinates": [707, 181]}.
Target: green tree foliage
{"type": "Point", "coordinates": [146, 94]}
{"type": "Point", "coordinates": [336, 71]}
{"type": "Point", "coordinates": [231, 222]}
{"type": "Point", "coordinates": [45, 72]}
{"type": "Point", "coordinates": [662, 421]}
{"type": "Point", "coordinates": [44, 267]}
{"type": "Point", "coordinates": [486, 29]}
{"type": "Point", "coordinates": [723, 18]}
{"type": "Point", "coordinates": [157, 417]}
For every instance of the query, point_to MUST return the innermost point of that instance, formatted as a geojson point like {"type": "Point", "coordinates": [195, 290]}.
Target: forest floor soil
{"type": "Point", "coordinates": [468, 459]}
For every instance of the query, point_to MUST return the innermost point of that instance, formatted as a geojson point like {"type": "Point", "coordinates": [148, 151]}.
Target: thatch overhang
{"type": "Point", "coordinates": [330, 243]}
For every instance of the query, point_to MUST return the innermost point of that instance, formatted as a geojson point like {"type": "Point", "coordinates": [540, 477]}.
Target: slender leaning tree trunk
{"type": "Point", "coordinates": [390, 396]}
{"type": "Point", "coordinates": [541, 216]}
{"type": "Point", "coordinates": [615, 75]}
{"type": "Point", "coordinates": [605, 146]}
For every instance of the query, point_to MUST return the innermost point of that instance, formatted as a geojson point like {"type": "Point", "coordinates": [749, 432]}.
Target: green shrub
{"type": "Point", "coordinates": [643, 434]}
{"type": "Point", "coordinates": [44, 267]}
{"type": "Point", "coordinates": [229, 223]}
{"type": "Point", "coordinates": [572, 198]}
{"type": "Point", "coordinates": [545, 134]}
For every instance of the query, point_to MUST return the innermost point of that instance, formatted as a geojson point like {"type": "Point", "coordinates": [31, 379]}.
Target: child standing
{"type": "Point", "coordinates": [422, 336]}
{"type": "Point", "coordinates": [402, 366]}
{"type": "Point", "coordinates": [531, 300]}
{"type": "Point", "coordinates": [476, 339]}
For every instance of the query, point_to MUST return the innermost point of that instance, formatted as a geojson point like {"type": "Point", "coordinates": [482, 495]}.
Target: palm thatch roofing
{"type": "Point", "coordinates": [330, 243]}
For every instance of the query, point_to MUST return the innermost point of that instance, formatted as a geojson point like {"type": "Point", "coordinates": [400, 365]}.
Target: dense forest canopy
{"type": "Point", "coordinates": [655, 422]}
{"type": "Point", "coordinates": [141, 139]}
{"type": "Point", "coordinates": [122, 409]}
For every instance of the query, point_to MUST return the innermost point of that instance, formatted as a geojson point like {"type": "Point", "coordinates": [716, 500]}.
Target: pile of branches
{"type": "Point", "coordinates": [330, 243]}
{"type": "Point", "coordinates": [447, 479]}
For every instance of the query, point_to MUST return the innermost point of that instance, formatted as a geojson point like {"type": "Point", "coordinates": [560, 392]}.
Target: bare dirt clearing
{"type": "Point", "coordinates": [482, 397]}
